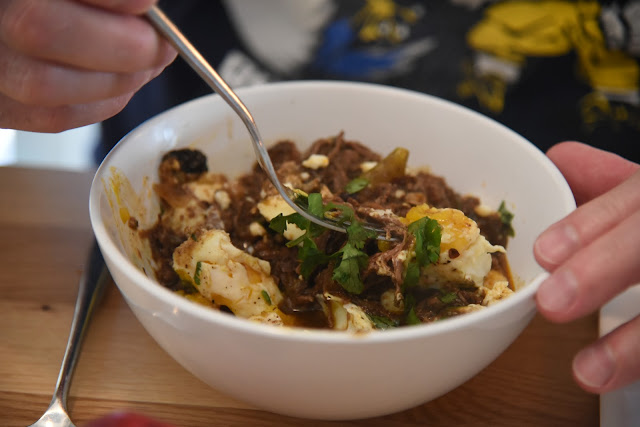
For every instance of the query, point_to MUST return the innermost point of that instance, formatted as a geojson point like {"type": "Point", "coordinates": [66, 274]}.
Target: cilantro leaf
{"type": "Point", "coordinates": [196, 274]}
{"type": "Point", "coordinates": [356, 185]}
{"type": "Point", "coordinates": [448, 297]}
{"type": "Point", "coordinates": [382, 322]}
{"type": "Point", "coordinates": [345, 214]}
{"type": "Point", "coordinates": [428, 234]}
{"type": "Point", "coordinates": [506, 217]}
{"type": "Point", "coordinates": [315, 208]}
{"type": "Point", "coordinates": [411, 318]}
{"type": "Point", "coordinates": [313, 204]}
{"type": "Point", "coordinates": [266, 297]}
{"type": "Point", "coordinates": [411, 275]}
{"type": "Point", "coordinates": [351, 257]}
{"type": "Point", "coordinates": [347, 271]}
{"type": "Point", "coordinates": [279, 222]}
{"type": "Point", "coordinates": [358, 235]}
{"type": "Point", "coordinates": [311, 258]}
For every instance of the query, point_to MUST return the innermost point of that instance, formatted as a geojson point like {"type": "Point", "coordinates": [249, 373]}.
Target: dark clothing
{"type": "Point", "coordinates": [206, 25]}
{"type": "Point", "coordinates": [550, 70]}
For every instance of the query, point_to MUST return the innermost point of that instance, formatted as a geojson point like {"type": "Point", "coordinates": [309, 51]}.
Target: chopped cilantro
{"type": "Point", "coordinates": [309, 254]}
{"type": "Point", "coordinates": [356, 185]}
{"type": "Point", "coordinates": [411, 318]}
{"type": "Point", "coordinates": [311, 257]}
{"type": "Point", "coordinates": [448, 297]}
{"type": "Point", "coordinates": [265, 296]}
{"type": "Point", "coordinates": [196, 275]}
{"type": "Point", "coordinates": [316, 208]}
{"type": "Point", "coordinates": [358, 235]}
{"type": "Point", "coordinates": [194, 237]}
{"type": "Point", "coordinates": [278, 223]}
{"type": "Point", "coordinates": [339, 213]}
{"type": "Point", "coordinates": [506, 217]}
{"type": "Point", "coordinates": [411, 275]}
{"type": "Point", "coordinates": [351, 258]}
{"type": "Point", "coordinates": [347, 270]}
{"type": "Point", "coordinates": [428, 234]}
{"type": "Point", "coordinates": [382, 322]}
{"type": "Point", "coordinates": [313, 204]}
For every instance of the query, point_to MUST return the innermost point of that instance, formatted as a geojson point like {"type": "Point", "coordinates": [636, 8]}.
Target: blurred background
{"type": "Point", "coordinates": [70, 150]}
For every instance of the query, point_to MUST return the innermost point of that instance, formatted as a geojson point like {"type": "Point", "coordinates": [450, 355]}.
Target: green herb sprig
{"type": "Point", "coordinates": [356, 184]}
{"type": "Point", "coordinates": [506, 217]}
{"type": "Point", "coordinates": [382, 322]}
{"type": "Point", "coordinates": [266, 297]}
{"type": "Point", "coordinates": [196, 274]}
{"type": "Point", "coordinates": [428, 235]}
{"type": "Point", "coordinates": [350, 259]}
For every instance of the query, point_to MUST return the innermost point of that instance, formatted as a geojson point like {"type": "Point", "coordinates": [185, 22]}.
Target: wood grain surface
{"type": "Point", "coordinates": [45, 234]}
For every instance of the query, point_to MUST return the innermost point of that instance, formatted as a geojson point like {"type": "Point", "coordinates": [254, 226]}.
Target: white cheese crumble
{"type": "Point", "coordinates": [222, 199]}
{"type": "Point", "coordinates": [275, 205]}
{"type": "Point", "coordinates": [367, 166]}
{"type": "Point", "coordinates": [316, 161]}
{"type": "Point", "coordinates": [256, 229]}
{"type": "Point", "coordinates": [483, 210]}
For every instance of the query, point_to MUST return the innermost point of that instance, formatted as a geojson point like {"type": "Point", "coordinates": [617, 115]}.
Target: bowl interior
{"type": "Point", "coordinates": [473, 153]}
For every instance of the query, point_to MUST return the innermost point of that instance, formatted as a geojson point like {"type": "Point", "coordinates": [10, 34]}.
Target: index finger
{"type": "Point", "coordinates": [135, 7]}
{"type": "Point", "coordinates": [79, 35]}
{"type": "Point", "coordinates": [587, 223]}
{"type": "Point", "coordinates": [589, 171]}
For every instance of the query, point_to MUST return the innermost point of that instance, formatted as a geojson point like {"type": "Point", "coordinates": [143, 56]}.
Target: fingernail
{"type": "Point", "coordinates": [594, 366]}
{"type": "Point", "coordinates": [558, 292]}
{"type": "Point", "coordinates": [557, 244]}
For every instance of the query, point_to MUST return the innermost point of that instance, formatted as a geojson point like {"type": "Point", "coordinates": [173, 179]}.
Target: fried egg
{"type": "Point", "coordinates": [229, 276]}
{"type": "Point", "coordinates": [465, 254]}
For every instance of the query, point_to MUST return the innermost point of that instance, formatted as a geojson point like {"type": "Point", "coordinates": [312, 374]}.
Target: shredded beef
{"type": "Point", "coordinates": [384, 270]}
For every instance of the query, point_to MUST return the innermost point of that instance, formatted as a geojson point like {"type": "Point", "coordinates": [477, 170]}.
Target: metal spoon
{"type": "Point", "coordinates": [90, 290]}
{"type": "Point", "coordinates": [191, 55]}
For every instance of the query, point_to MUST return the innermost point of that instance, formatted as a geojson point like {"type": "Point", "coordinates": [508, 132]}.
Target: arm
{"type": "Point", "coordinates": [70, 63]}
{"type": "Point", "coordinates": [592, 255]}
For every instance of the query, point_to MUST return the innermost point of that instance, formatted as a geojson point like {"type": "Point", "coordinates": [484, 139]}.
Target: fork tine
{"type": "Point", "coordinates": [199, 64]}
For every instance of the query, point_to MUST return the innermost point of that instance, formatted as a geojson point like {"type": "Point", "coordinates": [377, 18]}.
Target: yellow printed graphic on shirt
{"type": "Point", "coordinates": [513, 31]}
{"type": "Point", "coordinates": [384, 20]}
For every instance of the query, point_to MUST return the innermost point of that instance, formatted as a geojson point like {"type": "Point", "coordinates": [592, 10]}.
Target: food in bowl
{"type": "Point", "coordinates": [318, 373]}
{"type": "Point", "coordinates": [237, 246]}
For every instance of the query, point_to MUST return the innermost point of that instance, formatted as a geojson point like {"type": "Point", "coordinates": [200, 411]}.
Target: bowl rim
{"type": "Point", "coordinates": [211, 316]}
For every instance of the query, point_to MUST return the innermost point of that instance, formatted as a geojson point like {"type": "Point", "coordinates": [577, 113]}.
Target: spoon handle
{"type": "Point", "coordinates": [90, 289]}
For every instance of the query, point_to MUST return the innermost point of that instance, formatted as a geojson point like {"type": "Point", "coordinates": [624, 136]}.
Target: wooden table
{"type": "Point", "coordinates": [45, 232]}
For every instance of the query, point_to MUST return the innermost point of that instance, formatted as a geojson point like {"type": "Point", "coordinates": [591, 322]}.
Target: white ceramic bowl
{"type": "Point", "coordinates": [324, 374]}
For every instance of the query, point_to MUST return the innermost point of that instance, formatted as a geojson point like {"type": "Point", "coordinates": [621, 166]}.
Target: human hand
{"type": "Point", "coordinates": [126, 419]}
{"type": "Point", "coordinates": [592, 255]}
{"type": "Point", "coordinates": [70, 63]}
